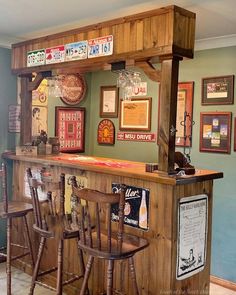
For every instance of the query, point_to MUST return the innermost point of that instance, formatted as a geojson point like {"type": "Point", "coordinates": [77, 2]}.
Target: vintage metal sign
{"type": "Point", "coordinates": [192, 235]}
{"type": "Point", "coordinates": [55, 54]}
{"type": "Point", "coordinates": [36, 58]}
{"type": "Point", "coordinates": [134, 136]}
{"type": "Point", "coordinates": [106, 132]}
{"type": "Point", "coordinates": [136, 206]}
{"type": "Point", "coordinates": [77, 50]}
{"type": "Point", "coordinates": [102, 46]}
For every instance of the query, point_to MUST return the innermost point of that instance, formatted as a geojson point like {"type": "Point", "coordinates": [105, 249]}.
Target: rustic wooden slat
{"type": "Point", "coordinates": [155, 266]}
{"type": "Point", "coordinates": [150, 31]}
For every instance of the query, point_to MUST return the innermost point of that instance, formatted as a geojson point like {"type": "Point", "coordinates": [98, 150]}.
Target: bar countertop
{"type": "Point", "coordinates": [114, 167]}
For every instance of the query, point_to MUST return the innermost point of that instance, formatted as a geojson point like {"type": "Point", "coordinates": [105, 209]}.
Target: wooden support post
{"type": "Point", "coordinates": [26, 111]}
{"type": "Point", "coordinates": [27, 86]}
{"type": "Point", "coordinates": [167, 113]}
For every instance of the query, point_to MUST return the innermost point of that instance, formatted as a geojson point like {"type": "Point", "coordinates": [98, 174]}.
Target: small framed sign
{"type": "Point", "coordinates": [215, 132]}
{"type": "Point", "coordinates": [69, 127]}
{"type": "Point", "coordinates": [106, 132]}
{"type": "Point", "coordinates": [218, 90]}
{"type": "Point", "coordinates": [109, 101]}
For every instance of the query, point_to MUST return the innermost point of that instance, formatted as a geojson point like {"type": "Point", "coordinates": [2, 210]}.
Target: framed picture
{"type": "Point", "coordinates": [135, 114]}
{"type": "Point", "coordinates": [106, 132]}
{"type": "Point", "coordinates": [109, 101]}
{"type": "Point", "coordinates": [39, 120]}
{"type": "Point", "coordinates": [218, 90]}
{"type": "Point", "coordinates": [70, 128]}
{"type": "Point", "coordinates": [235, 134]}
{"type": "Point", "coordinates": [215, 131]}
{"type": "Point", "coordinates": [184, 115]}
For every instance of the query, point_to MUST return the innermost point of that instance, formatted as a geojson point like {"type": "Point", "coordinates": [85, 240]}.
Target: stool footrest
{"type": "Point", "coordinates": [45, 285]}
{"type": "Point", "coordinates": [47, 271]}
{"type": "Point", "coordinates": [71, 280]}
{"type": "Point", "coordinates": [19, 256]}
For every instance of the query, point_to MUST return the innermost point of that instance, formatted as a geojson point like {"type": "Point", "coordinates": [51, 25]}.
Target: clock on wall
{"type": "Point", "coordinates": [73, 88]}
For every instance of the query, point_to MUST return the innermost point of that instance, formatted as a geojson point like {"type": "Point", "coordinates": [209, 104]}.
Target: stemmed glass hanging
{"type": "Point", "coordinates": [128, 81]}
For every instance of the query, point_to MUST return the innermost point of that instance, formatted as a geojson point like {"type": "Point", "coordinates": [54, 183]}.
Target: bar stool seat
{"type": "Point", "coordinates": [15, 209]}
{"type": "Point", "coordinates": [10, 210]}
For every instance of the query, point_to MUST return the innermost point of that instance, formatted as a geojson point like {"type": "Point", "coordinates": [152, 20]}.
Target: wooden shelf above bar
{"type": "Point", "coordinates": [157, 33]}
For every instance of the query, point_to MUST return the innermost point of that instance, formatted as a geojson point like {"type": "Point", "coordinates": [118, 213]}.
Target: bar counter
{"type": "Point", "coordinates": [157, 267]}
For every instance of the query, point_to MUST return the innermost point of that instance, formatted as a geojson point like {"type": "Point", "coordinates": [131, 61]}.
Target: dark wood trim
{"type": "Point", "coordinates": [168, 108]}
{"type": "Point", "coordinates": [149, 70]}
{"type": "Point", "coordinates": [223, 283]}
{"type": "Point", "coordinates": [26, 111]}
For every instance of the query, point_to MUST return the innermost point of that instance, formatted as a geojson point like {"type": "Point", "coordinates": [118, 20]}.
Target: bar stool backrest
{"type": "Point", "coordinates": [94, 219]}
{"type": "Point", "coordinates": [3, 179]}
{"type": "Point", "coordinates": [34, 185]}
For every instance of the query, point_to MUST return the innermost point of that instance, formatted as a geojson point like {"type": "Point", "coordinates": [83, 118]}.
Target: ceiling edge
{"type": "Point", "coordinates": [216, 42]}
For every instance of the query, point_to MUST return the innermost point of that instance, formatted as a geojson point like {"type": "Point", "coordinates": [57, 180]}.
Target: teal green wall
{"type": "Point", "coordinates": [210, 63]}
{"type": "Point", "coordinates": [206, 63]}
{"type": "Point", "coordinates": [7, 97]}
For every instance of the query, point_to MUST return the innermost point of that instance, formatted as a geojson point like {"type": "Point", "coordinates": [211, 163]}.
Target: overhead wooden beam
{"type": "Point", "coordinates": [149, 70]}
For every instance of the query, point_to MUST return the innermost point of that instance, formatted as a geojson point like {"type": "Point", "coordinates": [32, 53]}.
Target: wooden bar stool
{"type": "Point", "coordinates": [52, 223]}
{"type": "Point", "coordinates": [10, 210]}
{"type": "Point", "coordinates": [110, 242]}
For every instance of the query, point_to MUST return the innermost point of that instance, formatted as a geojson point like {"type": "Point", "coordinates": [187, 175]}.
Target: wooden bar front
{"type": "Point", "coordinates": [156, 265]}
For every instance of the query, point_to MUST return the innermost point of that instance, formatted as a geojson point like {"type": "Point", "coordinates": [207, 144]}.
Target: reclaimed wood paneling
{"type": "Point", "coordinates": [156, 265]}
{"type": "Point", "coordinates": [143, 36]}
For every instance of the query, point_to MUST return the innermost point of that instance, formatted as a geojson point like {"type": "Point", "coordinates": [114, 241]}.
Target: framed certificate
{"type": "Point", "coordinates": [109, 102]}
{"type": "Point", "coordinates": [135, 114]}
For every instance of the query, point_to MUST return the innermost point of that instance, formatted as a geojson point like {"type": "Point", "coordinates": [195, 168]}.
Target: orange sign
{"type": "Point", "coordinates": [106, 132]}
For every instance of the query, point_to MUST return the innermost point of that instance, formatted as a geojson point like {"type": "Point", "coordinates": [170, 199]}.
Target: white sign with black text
{"type": "Point", "coordinates": [192, 235]}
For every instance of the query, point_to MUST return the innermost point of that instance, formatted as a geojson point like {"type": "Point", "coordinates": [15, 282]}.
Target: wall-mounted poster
{"type": "Point", "coordinates": [39, 120]}
{"type": "Point", "coordinates": [40, 95]}
{"type": "Point", "coordinates": [215, 132]}
{"type": "Point", "coordinates": [14, 113]}
{"type": "Point", "coordinates": [69, 127]}
{"type": "Point", "coordinates": [191, 236]}
{"type": "Point", "coordinates": [218, 90]}
{"type": "Point", "coordinates": [136, 206]}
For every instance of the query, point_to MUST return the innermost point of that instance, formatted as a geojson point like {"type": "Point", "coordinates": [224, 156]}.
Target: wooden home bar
{"type": "Point", "coordinates": [163, 36]}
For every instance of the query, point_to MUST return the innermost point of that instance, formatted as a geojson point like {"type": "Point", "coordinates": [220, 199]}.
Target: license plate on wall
{"type": "Point", "coordinates": [102, 46]}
